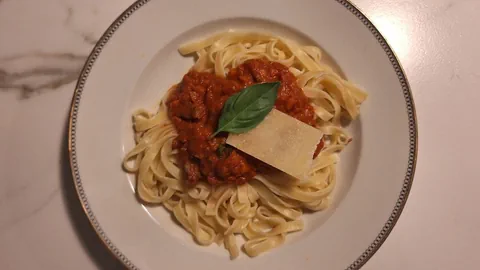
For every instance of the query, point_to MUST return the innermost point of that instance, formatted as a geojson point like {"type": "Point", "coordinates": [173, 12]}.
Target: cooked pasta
{"type": "Point", "coordinates": [269, 207]}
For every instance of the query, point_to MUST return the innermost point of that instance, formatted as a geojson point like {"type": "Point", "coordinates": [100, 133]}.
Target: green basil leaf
{"type": "Point", "coordinates": [247, 108]}
{"type": "Point", "coordinates": [221, 149]}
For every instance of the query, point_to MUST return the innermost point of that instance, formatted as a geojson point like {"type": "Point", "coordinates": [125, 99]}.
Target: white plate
{"type": "Point", "coordinates": [136, 61]}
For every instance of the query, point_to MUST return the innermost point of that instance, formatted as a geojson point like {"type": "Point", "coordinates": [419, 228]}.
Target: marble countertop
{"type": "Point", "coordinates": [43, 45]}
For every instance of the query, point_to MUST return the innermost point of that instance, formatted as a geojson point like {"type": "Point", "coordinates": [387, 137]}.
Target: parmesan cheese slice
{"type": "Point", "coordinates": [282, 142]}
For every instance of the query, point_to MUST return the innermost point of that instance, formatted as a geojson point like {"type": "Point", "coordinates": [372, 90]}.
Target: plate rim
{"type": "Point", "coordinates": [412, 126]}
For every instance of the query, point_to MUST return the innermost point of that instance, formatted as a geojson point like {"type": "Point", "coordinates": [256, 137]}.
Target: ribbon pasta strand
{"type": "Point", "coordinates": [267, 208]}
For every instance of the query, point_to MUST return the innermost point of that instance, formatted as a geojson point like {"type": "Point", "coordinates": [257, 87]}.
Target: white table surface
{"type": "Point", "coordinates": [44, 43]}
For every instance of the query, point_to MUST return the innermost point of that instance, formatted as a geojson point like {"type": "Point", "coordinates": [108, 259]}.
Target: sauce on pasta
{"type": "Point", "coordinates": [172, 145]}
{"type": "Point", "coordinates": [195, 107]}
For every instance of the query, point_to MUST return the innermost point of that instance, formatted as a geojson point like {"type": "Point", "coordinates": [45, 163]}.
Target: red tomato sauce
{"type": "Point", "coordinates": [195, 108]}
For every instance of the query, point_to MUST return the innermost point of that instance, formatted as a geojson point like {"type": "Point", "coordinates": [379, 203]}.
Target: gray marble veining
{"type": "Point", "coordinates": [31, 211]}
{"type": "Point", "coordinates": [36, 71]}
{"type": "Point", "coordinates": [43, 47]}
{"type": "Point", "coordinates": [88, 37]}
{"type": "Point", "coordinates": [39, 72]}
{"type": "Point", "coordinates": [44, 43]}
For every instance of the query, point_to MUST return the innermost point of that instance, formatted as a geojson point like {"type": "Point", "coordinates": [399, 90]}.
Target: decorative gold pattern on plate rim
{"type": "Point", "coordinates": [412, 121]}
